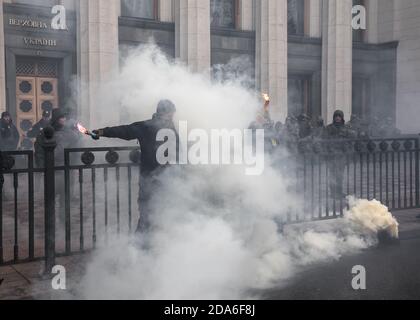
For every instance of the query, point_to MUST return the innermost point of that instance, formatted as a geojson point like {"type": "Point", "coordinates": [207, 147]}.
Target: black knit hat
{"type": "Point", "coordinates": [165, 107]}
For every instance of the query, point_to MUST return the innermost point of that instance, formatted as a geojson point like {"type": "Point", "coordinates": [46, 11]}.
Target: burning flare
{"type": "Point", "coordinates": [266, 97]}
{"type": "Point", "coordinates": [82, 129]}
{"type": "Point", "coordinates": [85, 131]}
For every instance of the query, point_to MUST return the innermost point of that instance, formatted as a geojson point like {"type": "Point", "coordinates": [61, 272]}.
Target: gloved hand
{"type": "Point", "coordinates": [96, 134]}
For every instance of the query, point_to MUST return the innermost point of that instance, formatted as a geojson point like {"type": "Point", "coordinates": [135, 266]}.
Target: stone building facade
{"type": "Point", "coordinates": [305, 53]}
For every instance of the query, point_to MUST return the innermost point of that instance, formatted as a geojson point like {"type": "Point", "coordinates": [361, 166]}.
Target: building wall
{"type": "Point", "coordinates": [324, 53]}
{"type": "Point", "coordinates": [407, 31]}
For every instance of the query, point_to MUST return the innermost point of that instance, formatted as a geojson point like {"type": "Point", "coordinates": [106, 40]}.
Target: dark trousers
{"type": "Point", "coordinates": [149, 186]}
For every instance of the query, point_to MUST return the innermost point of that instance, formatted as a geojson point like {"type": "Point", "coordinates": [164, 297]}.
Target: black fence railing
{"type": "Point", "coordinates": [53, 211]}
{"type": "Point", "coordinates": [328, 171]}
{"type": "Point", "coordinates": [67, 208]}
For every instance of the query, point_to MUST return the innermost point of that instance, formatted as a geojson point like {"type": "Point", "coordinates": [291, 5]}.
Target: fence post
{"type": "Point", "coordinates": [1, 207]}
{"type": "Point", "coordinates": [49, 145]}
{"type": "Point", "coordinates": [417, 172]}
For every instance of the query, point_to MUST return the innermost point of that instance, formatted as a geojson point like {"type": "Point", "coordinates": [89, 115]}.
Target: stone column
{"type": "Point", "coordinates": [166, 11]}
{"type": "Point", "coordinates": [2, 61]}
{"type": "Point", "coordinates": [337, 46]}
{"type": "Point", "coordinates": [271, 54]}
{"type": "Point", "coordinates": [313, 12]}
{"type": "Point", "coordinates": [372, 21]}
{"type": "Point", "coordinates": [192, 33]}
{"type": "Point", "coordinates": [246, 15]}
{"type": "Point", "coordinates": [98, 57]}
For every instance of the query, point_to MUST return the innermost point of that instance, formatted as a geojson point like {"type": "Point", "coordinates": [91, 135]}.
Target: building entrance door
{"type": "Point", "coordinates": [36, 92]}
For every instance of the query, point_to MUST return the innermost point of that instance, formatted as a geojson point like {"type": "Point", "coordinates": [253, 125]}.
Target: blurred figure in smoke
{"type": "Point", "coordinates": [318, 128]}
{"type": "Point", "coordinates": [305, 128]}
{"type": "Point", "coordinates": [357, 125]}
{"type": "Point", "coordinates": [290, 134]}
{"type": "Point", "coordinates": [146, 132]}
{"type": "Point", "coordinates": [9, 135]}
{"type": "Point", "coordinates": [387, 128]}
{"type": "Point", "coordinates": [374, 127]}
{"type": "Point", "coordinates": [41, 124]}
{"type": "Point", "coordinates": [337, 162]}
{"type": "Point", "coordinates": [65, 138]}
{"type": "Point", "coordinates": [263, 121]}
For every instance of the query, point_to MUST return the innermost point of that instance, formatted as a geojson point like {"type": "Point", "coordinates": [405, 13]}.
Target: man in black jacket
{"type": "Point", "coordinates": [146, 133]}
{"type": "Point", "coordinates": [9, 135]}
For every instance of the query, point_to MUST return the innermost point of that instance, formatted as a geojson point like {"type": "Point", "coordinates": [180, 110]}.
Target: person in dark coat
{"type": "Point", "coordinates": [146, 133]}
{"type": "Point", "coordinates": [41, 124]}
{"type": "Point", "coordinates": [65, 138]}
{"type": "Point", "coordinates": [9, 135]}
{"type": "Point", "coordinates": [263, 122]}
{"type": "Point", "coordinates": [358, 125]}
{"type": "Point", "coordinates": [304, 124]}
{"type": "Point", "coordinates": [290, 135]}
{"type": "Point", "coordinates": [387, 128]}
{"type": "Point", "coordinates": [318, 128]}
{"type": "Point", "coordinates": [336, 162]}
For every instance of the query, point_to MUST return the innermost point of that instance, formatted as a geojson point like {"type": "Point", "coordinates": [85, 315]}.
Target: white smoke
{"type": "Point", "coordinates": [217, 234]}
{"type": "Point", "coordinates": [372, 216]}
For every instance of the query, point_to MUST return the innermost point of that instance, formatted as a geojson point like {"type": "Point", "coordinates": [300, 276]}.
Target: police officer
{"type": "Point", "coordinates": [9, 135]}
{"type": "Point", "coordinates": [146, 133]}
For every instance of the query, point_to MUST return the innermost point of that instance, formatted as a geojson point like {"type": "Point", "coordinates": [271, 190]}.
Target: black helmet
{"type": "Point", "coordinates": [165, 107]}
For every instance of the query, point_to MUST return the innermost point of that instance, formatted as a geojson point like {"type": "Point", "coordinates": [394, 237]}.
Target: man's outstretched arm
{"type": "Point", "coordinates": [126, 132]}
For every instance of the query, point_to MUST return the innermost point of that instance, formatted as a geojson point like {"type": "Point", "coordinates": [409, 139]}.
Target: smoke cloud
{"type": "Point", "coordinates": [217, 233]}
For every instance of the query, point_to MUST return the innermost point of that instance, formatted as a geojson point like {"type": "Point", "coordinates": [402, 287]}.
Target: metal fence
{"type": "Point", "coordinates": [63, 208]}
{"type": "Point", "coordinates": [383, 169]}
{"type": "Point", "coordinates": [66, 208]}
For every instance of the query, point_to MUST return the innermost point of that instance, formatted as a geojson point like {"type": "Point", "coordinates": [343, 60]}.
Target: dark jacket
{"type": "Point", "coordinates": [145, 132]}
{"type": "Point", "coordinates": [37, 128]}
{"type": "Point", "coordinates": [339, 130]}
{"type": "Point", "coordinates": [65, 138]}
{"type": "Point", "coordinates": [9, 136]}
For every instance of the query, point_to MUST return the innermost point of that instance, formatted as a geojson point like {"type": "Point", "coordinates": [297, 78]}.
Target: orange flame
{"type": "Point", "coordinates": [266, 97]}
{"type": "Point", "coordinates": [82, 129]}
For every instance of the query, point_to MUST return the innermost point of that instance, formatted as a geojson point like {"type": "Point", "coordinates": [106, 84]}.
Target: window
{"type": "Point", "coordinates": [361, 96]}
{"type": "Point", "coordinates": [295, 17]}
{"type": "Point", "coordinates": [223, 13]}
{"type": "Point", "coordinates": [298, 95]}
{"type": "Point", "coordinates": [146, 9]}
